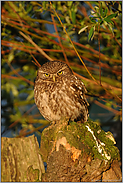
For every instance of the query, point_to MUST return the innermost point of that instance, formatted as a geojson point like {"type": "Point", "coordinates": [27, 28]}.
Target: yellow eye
{"type": "Point", "coordinates": [47, 75]}
{"type": "Point", "coordinates": [60, 72]}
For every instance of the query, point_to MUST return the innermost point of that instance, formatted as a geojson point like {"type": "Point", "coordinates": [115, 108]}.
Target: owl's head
{"type": "Point", "coordinates": [53, 71]}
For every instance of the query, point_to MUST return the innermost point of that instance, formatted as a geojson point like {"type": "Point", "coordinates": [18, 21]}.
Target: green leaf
{"type": "Point", "coordinates": [73, 14]}
{"type": "Point", "coordinates": [108, 18]}
{"type": "Point", "coordinates": [93, 19]}
{"type": "Point", "coordinates": [101, 10]}
{"type": "Point", "coordinates": [111, 22]}
{"type": "Point", "coordinates": [105, 13]}
{"type": "Point", "coordinates": [91, 33]}
{"type": "Point", "coordinates": [29, 8]}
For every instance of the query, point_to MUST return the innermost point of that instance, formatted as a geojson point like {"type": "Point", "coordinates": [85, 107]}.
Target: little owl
{"type": "Point", "coordinates": [59, 93]}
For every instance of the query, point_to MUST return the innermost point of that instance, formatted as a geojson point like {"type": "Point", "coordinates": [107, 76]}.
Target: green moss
{"type": "Point", "coordinates": [98, 144]}
{"type": "Point", "coordinates": [88, 137]}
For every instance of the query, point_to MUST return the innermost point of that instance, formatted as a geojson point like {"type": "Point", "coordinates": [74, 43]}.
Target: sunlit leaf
{"type": "Point", "coordinates": [26, 68]}
{"type": "Point", "coordinates": [14, 90]}
{"type": "Point", "coordinates": [11, 56]}
{"type": "Point", "coordinates": [69, 3]}
{"type": "Point", "coordinates": [110, 27]}
{"type": "Point", "coordinates": [44, 4]}
{"type": "Point", "coordinates": [81, 30]}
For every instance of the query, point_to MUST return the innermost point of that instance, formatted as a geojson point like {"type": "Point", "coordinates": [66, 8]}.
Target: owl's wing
{"type": "Point", "coordinates": [79, 90]}
{"type": "Point", "coordinates": [78, 87]}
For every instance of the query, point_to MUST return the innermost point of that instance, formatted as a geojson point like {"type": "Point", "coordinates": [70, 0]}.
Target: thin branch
{"type": "Point", "coordinates": [106, 107]}
{"type": "Point", "coordinates": [59, 39]}
{"type": "Point", "coordinates": [34, 130]}
{"type": "Point", "coordinates": [36, 46]}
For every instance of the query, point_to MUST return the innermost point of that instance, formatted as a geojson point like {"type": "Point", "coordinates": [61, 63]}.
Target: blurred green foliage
{"type": "Point", "coordinates": [91, 25]}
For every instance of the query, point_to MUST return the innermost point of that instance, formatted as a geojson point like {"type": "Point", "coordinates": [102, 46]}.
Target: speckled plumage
{"type": "Point", "coordinates": [60, 94]}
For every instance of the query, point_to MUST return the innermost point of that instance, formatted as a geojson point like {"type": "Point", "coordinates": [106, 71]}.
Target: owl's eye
{"type": "Point", "coordinates": [60, 72]}
{"type": "Point", "coordinates": [47, 75]}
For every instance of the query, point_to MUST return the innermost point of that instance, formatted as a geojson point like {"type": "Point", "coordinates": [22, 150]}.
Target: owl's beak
{"type": "Point", "coordinates": [54, 78]}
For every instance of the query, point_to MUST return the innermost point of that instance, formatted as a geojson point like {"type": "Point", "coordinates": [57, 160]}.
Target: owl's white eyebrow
{"type": "Point", "coordinates": [41, 71]}
{"type": "Point", "coordinates": [62, 68]}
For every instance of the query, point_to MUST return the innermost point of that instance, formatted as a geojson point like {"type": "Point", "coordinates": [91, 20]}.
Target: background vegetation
{"type": "Point", "coordinates": [85, 35]}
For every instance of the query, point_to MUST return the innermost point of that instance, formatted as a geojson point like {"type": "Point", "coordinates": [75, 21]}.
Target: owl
{"type": "Point", "coordinates": [59, 94]}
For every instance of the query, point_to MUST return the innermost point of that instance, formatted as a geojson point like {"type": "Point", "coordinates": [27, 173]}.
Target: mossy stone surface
{"type": "Point", "coordinates": [87, 137]}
